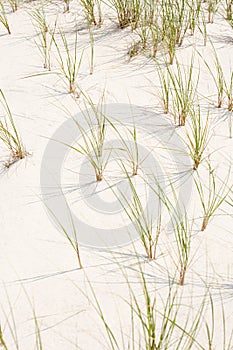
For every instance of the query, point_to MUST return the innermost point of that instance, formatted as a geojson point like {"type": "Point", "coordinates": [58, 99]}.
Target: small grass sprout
{"type": "Point", "coordinates": [134, 49]}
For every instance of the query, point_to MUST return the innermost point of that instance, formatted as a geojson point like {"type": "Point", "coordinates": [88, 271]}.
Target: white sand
{"type": "Point", "coordinates": [38, 268]}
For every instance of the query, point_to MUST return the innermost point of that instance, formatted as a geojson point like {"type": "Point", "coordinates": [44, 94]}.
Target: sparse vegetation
{"type": "Point", "coordinates": [139, 180]}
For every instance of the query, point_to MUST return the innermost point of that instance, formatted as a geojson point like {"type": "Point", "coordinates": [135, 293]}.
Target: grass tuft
{"type": "Point", "coordinates": [9, 134]}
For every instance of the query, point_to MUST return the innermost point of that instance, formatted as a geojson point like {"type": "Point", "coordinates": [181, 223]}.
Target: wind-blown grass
{"type": "Point", "coordinates": [93, 136]}
{"type": "Point", "coordinates": [129, 141]}
{"type": "Point", "coordinates": [155, 322]}
{"type": "Point", "coordinates": [219, 323]}
{"type": "Point", "coordinates": [9, 134]}
{"type": "Point", "coordinates": [220, 81]}
{"type": "Point", "coordinates": [181, 227]}
{"type": "Point", "coordinates": [198, 136]}
{"type": "Point", "coordinates": [72, 237]}
{"type": "Point", "coordinates": [142, 218]}
{"type": "Point", "coordinates": [184, 90]}
{"type": "Point", "coordinates": [213, 196]}
{"type": "Point", "coordinates": [11, 326]}
{"type": "Point", "coordinates": [45, 35]}
{"type": "Point", "coordinates": [70, 64]}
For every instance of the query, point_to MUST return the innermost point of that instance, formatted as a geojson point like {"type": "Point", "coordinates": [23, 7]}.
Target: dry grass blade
{"type": "Point", "coordinates": [67, 5]}
{"type": "Point", "coordinates": [3, 17]}
{"type": "Point", "coordinates": [14, 4]}
{"type": "Point", "coordinates": [2, 342]}
{"type": "Point", "coordinates": [71, 237]}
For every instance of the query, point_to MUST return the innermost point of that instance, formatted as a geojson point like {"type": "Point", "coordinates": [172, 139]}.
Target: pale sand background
{"type": "Point", "coordinates": [37, 259]}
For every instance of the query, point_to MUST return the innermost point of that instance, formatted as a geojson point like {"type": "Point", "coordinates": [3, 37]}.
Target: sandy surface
{"type": "Point", "coordinates": [38, 267]}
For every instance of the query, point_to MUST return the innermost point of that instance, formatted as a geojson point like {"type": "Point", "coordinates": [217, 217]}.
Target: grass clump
{"type": "Point", "coordinates": [184, 90]}
{"type": "Point", "coordinates": [93, 136]}
{"type": "Point", "coordinates": [9, 134]}
{"type": "Point", "coordinates": [93, 12]}
{"type": "Point", "coordinates": [198, 136]}
{"type": "Point", "coordinates": [70, 64]}
{"type": "Point", "coordinates": [183, 240]}
{"type": "Point", "coordinates": [128, 12]}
